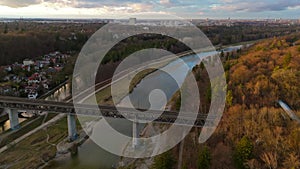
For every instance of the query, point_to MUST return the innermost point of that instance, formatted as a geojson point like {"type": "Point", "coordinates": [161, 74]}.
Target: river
{"type": "Point", "coordinates": [90, 155]}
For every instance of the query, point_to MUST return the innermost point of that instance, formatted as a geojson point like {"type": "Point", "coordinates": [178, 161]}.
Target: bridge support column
{"type": "Point", "coordinates": [72, 132]}
{"type": "Point", "coordinates": [13, 118]}
{"type": "Point", "coordinates": [135, 135]}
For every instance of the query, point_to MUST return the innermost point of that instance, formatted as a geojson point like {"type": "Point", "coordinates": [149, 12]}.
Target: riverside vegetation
{"type": "Point", "coordinates": [254, 132]}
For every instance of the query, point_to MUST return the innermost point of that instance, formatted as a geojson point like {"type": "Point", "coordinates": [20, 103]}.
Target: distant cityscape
{"type": "Point", "coordinates": [166, 22]}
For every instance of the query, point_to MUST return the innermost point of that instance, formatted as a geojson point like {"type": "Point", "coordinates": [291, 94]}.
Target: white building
{"type": "Point", "coordinates": [28, 62]}
{"type": "Point", "coordinates": [132, 21]}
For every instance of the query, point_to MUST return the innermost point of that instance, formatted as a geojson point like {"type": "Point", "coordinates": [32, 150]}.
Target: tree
{"type": "Point", "coordinates": [229, 98]}
{"type": "Point", "coordinates": [5, 29]}
{"type": "Point", "coordinates": [222, 54]}
{"type": "Point", "coordinates": [292, 161]}
{"type": "Point", "coordinates": [287, 59]}
{"type": "Point", "coordinates": [178, 102]}
{"type": "Point", "coordinates": [164, 161]}
{"type": "Point", "coordinates": [270, 159]}
{"type": "Point", "coordinates": [2, 75]}
{"type": "Point", "coordinates": [204, 158]}
{"type": "Point", "coordinates": [243, 152]}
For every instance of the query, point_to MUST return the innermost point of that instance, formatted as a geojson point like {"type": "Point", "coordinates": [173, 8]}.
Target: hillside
{"type": "Point", "coordinates": [268, 72]}
{"type": "Point", "coordinates": [254, 132]}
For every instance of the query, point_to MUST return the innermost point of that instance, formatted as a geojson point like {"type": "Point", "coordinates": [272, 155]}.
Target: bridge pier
{"type": "Point", "coordinates": [135, 135]}
{"type": "Point", "coordinates": [72, 132]}
{"type": "Point", "coordinates": [13, 118]}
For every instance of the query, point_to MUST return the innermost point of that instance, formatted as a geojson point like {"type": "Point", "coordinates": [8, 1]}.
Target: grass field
{"type": "Point", "coordinates": [37, 149]}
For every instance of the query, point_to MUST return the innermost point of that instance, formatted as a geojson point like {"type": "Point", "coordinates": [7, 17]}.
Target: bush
{"type": "Point", "coordinates": [243, 152]}
{"type": "Point", "coordinates": [164, 161]}
{"type": "Point", "coordinates": [204, 158]}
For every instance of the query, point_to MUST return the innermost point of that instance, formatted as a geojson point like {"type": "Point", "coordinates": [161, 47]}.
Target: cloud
{"type": "Point", "coordinates": [19, 3]}
{"type": "Point", "coordinates": [69, 3]}
{"type": "Point", "coordinates": [171, 3]}
{"type": "Point", "coordinates": [255, 5]}
{"type": "Point", "coordinates": [102, 3]}
{"type": "Point", "coordinates": [165, 2]}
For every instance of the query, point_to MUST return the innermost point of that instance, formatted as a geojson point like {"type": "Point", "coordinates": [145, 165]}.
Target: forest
{"type": "Point", "coordinates": [254, 132]}
{"type": "Point", "coordinates": [25, 39]}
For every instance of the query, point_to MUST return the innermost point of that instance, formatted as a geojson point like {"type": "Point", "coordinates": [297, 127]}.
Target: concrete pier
{"type": "Point", "coordinates": [13, 118]}
{"type": "Point", "coordinates": [72, 132]}
{"type": "Point", "coordinates": [135, 135]}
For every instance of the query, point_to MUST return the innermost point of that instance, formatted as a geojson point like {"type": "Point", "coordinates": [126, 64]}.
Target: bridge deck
{"type": "Point", "coordinates": [105, 111]}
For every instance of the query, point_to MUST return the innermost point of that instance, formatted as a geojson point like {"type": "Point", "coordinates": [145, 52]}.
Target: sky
{"type": "Point", "coordinates": [114, 9]}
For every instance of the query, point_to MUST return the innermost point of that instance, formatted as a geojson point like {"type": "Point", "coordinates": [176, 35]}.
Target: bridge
{"type": "Point", "coordinates": [11, 105]}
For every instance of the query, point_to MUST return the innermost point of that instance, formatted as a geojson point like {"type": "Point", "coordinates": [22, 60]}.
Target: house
{"type": "Point", "coordinates": [28, 62]}
{"type": "Point", "coordinates": [42, 63]}
{"type": "Point", "coordinates": [5, 89]}
{"type": "Point", "coordinates": [51, 70]}
{"type": "Point", "coordinates": [34, 79]}
{"type": "Point", "coordinates": [8, 68]}
{"type": "Point", "coordinates": [26, 67]}
{"type": "Point", "coordinates": [46, 86]}
{"type": "Point", "coordinates": [31, 89]}
{"type": "Point", "coordinates": [32, 95]}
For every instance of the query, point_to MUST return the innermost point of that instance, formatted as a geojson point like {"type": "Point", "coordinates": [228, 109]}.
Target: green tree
{"type": "Point", "coordinates": [287, 59]}
{"type": "Point", "coordinates": [229, 98]}
{"type": "Point", "coordinates": [184, 166]}
{"type": "Point", "coordinates": [243, 152]}
{"type": "Point", "coordinates": [2, 75]}
{"type": "Point", "coordinates": [202, 66]}
{"type": "Point", "coordinates": [5, 29]}
{"type": "Point", "coordinates": [178, 102]}
{"type": "Point", "coordinates": [204, 158]}
{"type": "Point", "coordinates": [164, 161]}
{"type": "Point", "coordinates": [222, 54]}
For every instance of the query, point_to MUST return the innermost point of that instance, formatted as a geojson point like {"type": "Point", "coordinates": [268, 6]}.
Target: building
{"type": "Point", "coordinates": [28, 62]}
{"type": "Point", "coordinates": [132, 21]}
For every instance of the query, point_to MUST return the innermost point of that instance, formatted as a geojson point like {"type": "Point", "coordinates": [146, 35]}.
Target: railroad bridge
{"type": "Point", "coordinates": [12, 105]}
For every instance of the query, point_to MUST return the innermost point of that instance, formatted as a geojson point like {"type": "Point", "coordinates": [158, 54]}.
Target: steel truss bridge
{"type": "Point", "coordinates": [12, 104]}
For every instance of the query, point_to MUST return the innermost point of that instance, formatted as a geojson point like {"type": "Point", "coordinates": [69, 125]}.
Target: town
{"type": "Point", "coordinates": [33, 77]}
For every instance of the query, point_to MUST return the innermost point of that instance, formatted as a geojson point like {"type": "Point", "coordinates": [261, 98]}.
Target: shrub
{"type": "Point", "coordinates": [204, 158]}
{"type": "Point", "coordinates": [243, 152]}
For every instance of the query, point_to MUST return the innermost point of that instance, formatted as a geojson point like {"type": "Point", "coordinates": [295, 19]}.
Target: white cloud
{"type": "Point", "coordinates": [67, 9]}
{"type": "Point", "coordinates": [19, 3]}
{"type": "Point", "coordinates": [164, 2]}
